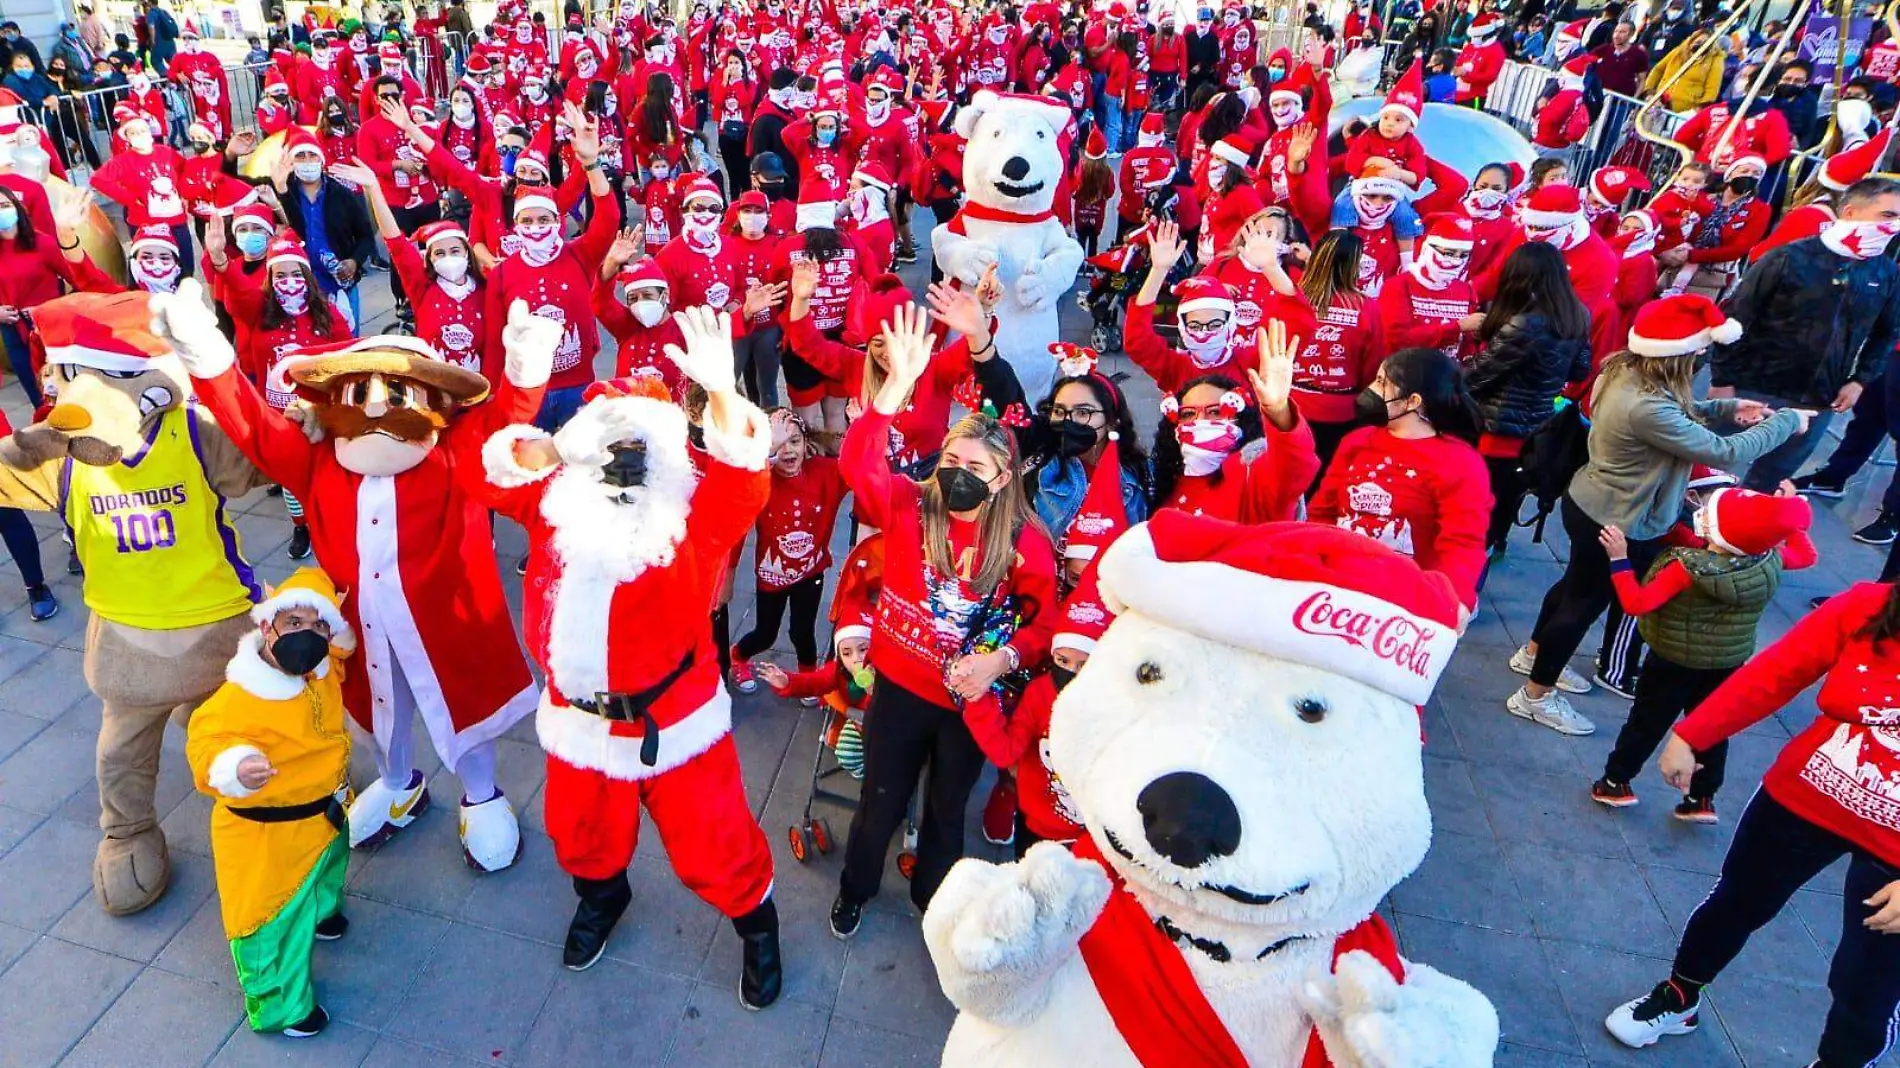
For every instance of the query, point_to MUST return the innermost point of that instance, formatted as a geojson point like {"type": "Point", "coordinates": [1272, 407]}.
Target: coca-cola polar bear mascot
{"type": "Point", "coordinates": [1244, 750]}
{"type": "Point", "coordinates": [1012, 165]}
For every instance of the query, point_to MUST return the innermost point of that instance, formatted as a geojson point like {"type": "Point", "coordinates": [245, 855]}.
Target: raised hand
{"type": "Point", "coordinates": [184, 318]}
{"type": "Point", "coordinates": [958, 309]}
{"type": "Point", "coordinates": [1259, 243]}
{"type": "Point", "coordinates": [242, 143]}
{"type": "Point", "coordinates": [907, 344]}
{"type": "Point", "coordinates": [804, 280]}
{"type": "Point", "coordinates": [1166, 246]}
{"type": "Point", "coordinates": [627, 244]}
{"type": "Point", "coordinates": [395, 112]}
{"type": "Point", "coordinates": [707, 357]}
{"type": "Point", "coordinates": [357, 174]}
{"type": "Point", "coordinates": [762, 297]}
{"type": "Point", "coordinates": [72, 208]}
{"type": "Point", "coordinates": [1273, 380]}
{"type": "Point", "coordinates": [586, 137]}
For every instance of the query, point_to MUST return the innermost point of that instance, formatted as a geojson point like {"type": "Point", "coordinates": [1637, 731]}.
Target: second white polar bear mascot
{"type": "Point", "coordinates": [1012, 165]}
{"type": "Point", "coordinates": [1243, 748]}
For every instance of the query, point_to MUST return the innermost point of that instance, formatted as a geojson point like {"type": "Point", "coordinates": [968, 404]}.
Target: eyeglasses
{"type": "Point", "coordinates": [1208, 413]}
{"type": "Point", "coordinates": [1085, 414]}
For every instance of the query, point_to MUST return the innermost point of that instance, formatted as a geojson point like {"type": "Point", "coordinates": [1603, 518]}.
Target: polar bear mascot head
{"type": "Point", "coordinates": [1244, 750]}
{"type": "Point", "coordinates": [1014, 157]}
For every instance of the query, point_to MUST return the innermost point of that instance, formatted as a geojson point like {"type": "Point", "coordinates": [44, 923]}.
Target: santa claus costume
{"type": "Point", "coordinates": [1480, 61]}
{"type": "Point", "coordinates": [202, 75]}
{"type": "Point", "coordinates": [1424, 306]}
{"type": "Point", "coordinates": [629, 530]}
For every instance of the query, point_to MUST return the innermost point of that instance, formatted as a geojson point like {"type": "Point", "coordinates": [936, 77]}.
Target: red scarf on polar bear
{"type": "Point", "coordinates": [1152, 995]}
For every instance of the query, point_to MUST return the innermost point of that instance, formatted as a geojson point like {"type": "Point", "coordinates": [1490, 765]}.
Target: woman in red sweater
{"type": "Point", "coordinates": [32, 269]}
{"type": "Point", "coordinates": [1341, 360]}
{"type": "Point", "coordinates": [1411, 477]}
{"type": "Point", "coordinates": [1833, 792]}
{"type": "Point", "coordinates": [969, 596]}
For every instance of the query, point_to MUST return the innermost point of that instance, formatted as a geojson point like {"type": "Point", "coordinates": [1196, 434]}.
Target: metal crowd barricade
{"type": "Point", "coordinates": [79, 126]}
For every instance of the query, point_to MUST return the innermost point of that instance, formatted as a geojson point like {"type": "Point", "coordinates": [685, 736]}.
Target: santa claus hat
{"type": "Point", "coordinates": [477, 66]}
{"type": "Point", "coordinates": [860, 579]}
{"type": "Point", "coordinates": [310, 588]}
{"type": "Point", "coordinates": [1577, 66]}
{"type": "Point", "coordinates": [1102, 517]}
{"type": "Point", "coordinates": [389, 52]}
{"type": "Point", "coordinates": [1202, 293]}
{"type": "Point", "coordinates": [702, 188]}
{"type": "Point", "coordinates": [540, 150]}
{"type": "Point", "coordinates": [638, 384]}
{"type": "Point", "coordinates": [1154, 124]}
{"type": "Point", "coordinates": [126, 112]}
{"type": "Point", "coordinates": [274, 80]}
{"type": "Point", "coordinates": [645, 274]}
{"type": "Point", "coordinates": [255, 212]}
{"type": "Point", "coordinates": [1235, 148]}
{"type": "Point", "coordinates": [1680, 325]}
{"type": "Point", "coordinates": [154, 237]}
{"type": "Point", "coordinates": [873, 173]}
{"type": "Point", "coordinates": [110, 332]}
{"type": "Point", "coordinates": [1702, 477]}
{"type": "Point", "coordinates": [1485, 25]}
{"type": "Point", "coordinates": [297, 139]}
{"type": "Point", "coordinates": [1310, 593]}
{"type": "Point", "coordinates": [529, 197]}
{"type": "Point", "coordinates": [443, 230]}
{"type": "Point", "coordinates": [1571, 33]}
{"type": "Point", "coordinates": [815, 215]}
{"type": "Point", "coordinates": [1449, 230]}
{"type": "Point", "coordinates": [1407, 96]}
{"type": "Point", "coordinates": [1743, 161]}
{"type": "Point", "coordinates": [886, 79]}
{"type": "Point", "coordinates": [880, 299]}
{"type": "Point", "coordinates": [1748, 523]}
{"type": "Point", "coordinates": [1083, 617]}
{"type": "Point", "coordinates": [1374, 183]}
{"type": "Point", "coordinates": [1096, 147]}
{"type": "Point", "coordinates": [285, 247]}
{"type": "Point", "coordinates": [1552, 206]}
{"type": "Point", "coordinates": [1612, 184]}
{"type": "Point", "coordinates": [1843, 169]}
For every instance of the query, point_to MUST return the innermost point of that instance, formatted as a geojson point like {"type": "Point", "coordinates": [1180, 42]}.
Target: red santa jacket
{"type": "Point", "coordinates": [1804, 221]}
{"type": "Point", "coordinates": [203, 76]}
{"type": "Point", "coordinates": [1478, 66]}
{"type": "Point", "coordinates": [450, 323]}
{"type": "Point", "coordinates": [1559, 119]}
{"type": "Point", "coordinates": [1764, 133]}
{"type": "Point", "coordinates": [145, 185]}
{"type": "Point", "coordinates": [1740, 232]}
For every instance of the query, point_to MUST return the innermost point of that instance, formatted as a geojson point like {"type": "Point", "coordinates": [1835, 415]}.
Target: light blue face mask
{"type": "Point", "coordinates": [9, 218]}
{"type": "Point", "coordinates": [826, 137]}
{"type": "Point", "coordinates": [252, 243]}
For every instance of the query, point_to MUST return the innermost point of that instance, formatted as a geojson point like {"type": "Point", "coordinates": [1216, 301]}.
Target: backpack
{"type": "Point", "coordinates": [1551, 457]}
{"type": "Point", "coordinates": [1577, 125]}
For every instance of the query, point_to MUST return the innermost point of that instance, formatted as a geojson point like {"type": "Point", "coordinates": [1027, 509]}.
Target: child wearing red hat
{"type": "Point", "coordinates": [1698, 609]}
{"type": "Point", "coordinates": [1389, 145]}
{"type": "Point", "coordinates": [748, 233]}
{"type": "Point", "coordinates": [845, 685]}
{"type": "Point", "coordinates": [1095, 186]}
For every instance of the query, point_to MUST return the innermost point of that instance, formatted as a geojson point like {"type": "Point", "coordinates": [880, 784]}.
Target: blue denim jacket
{"type": "Point", "coordinates": [1060, 486]}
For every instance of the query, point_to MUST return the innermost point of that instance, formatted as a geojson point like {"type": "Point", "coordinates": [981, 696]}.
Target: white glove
{"type": "Point", "coordinates": [528, 343]}
{"type": "Point", "coordinates": [978, 258]}
{"type": "Point", "coordinates": [1367, 1019]}
{"type": "Point", "coordinates": [584, 441]}
{"type": "Point", "coordinates": [1031, 288]}
{"type": "Point", "coordinates": [186, 321]}
{"type": "Point", "coordinates": [707, 358]}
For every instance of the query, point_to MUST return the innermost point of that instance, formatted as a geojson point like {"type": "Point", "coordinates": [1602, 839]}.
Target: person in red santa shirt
{"type": "Point", "coordinates": [1637, 273]}
{"type": "Point", "coordinates": [1293, 164]}
{"type": "Point", "coordinates": [1480, 61]}
{"type": "Point", "coordinates": [384, 147]}
{"type": "Point", "coordinates": [466, 133]}
{"type": "Point", "coordinates": [202, 75]}
{"type": "Point", "coordinates": [639, 321]}
{"type": "Point", "coordinates": [1342, 356]}
{"type": "Point", "coordinates": [748, 230]}
{"type": "Point", "coordinates": [1149, 166]}
{"type": "Point", "coordinates": [1212, 343]}
{"type": "Point", "coordinates": [390, 63]}
{"type": "Point", "coordinates": [1554, 216]}
{"type": "Point", "coordinates": [1432, 305]}
{"type": "Point", "coordinates": [658, 202]}
{"type": "Point", "coordinates": [1034, 63]}
{"type": "Point", "coordinates": [1256, 271]}
{"type": "Point", "coordinates": [1763, 132]}
{"type": "Point", "coordinates": [1411, 477]}
{"type": "Point", "coordinates": [252, 224]}
{"type": "Point", "coordinates": [840, 260]}
{"type": "Point", "coordinates": [1828, 795]}
{"type": "Point", "coordinates": [492, 200]}
{"type": "Point", "coordinates": [490, 83]}
{"type": "Point", "coordinates": [1226, 194]}
{"type": "Point", "coordinates": [1239, 46]}
{"type": "Point", "coordinates": [823, 148]}
{"type": "Point", "coordinates": [865, 216]}
{"type": "Point", "coordinates": [734, 97]}
{"type": "Point", "coordinates": [992, 60]}
{"type": "Point", "coordinates": [1681, 208]}
{"type": "Point", "coordinates": [1375, 198]}
{"type": "Point", "coordinates": [556, 276]}
{"type": "Point", "coordinates": [141, 98]}
{"type": "Point", "coordinates": [317, 81]}
{"type": "Point", "coordinates": [395, 525]}
{"type": "Point", "coordinates": [144, 179]}
{"type": "Point", "coordinates": [1485, 205]}
{"type": "Point", "coordinates": [1563, 120]}
{"type": "Point", "coordinates": [1840, 171]}
{"type": "Point", "coordinates": [439, 273]}
{"type": "Point", "coordinates": [885, 134]}
{"type": "Point", "coordinates": [1603, 199]}
{"type": "Point", "coordinates": [274, 110]}
{"type": "Point", "coordinates": [698, 265]}
{"type": "Point", "coordinates": [1738, 221]}
{"type": "Point", "coordinates": [628, 526]}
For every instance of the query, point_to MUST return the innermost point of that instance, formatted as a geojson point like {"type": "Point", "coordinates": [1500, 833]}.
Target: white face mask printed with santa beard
{"type": "Point", "coordinates": [1374, 213]}
{"type": "Point", "coordinates": [1286, 114]}
{"type": "Point", "coordinates": [1435, 269]}
{"type": "Point", "coordinates": [1861, 239]}
{"type": "Point", "coordinates": [540, 242]}
{"type": "Point", "coordinates": [1208, 347]}
{"type": "Point", "coordinates": [157, 276]}
{"type": "Point", "coordinates": [1206, 444]}
{"type": "Point", "coordinates": [1486, 203]}
{"type": "Point", "coordinates": [1565, 237]}
{"type": "Point", "coordinates": [700, 227]}
{"type": "Point", "coordinates": [293, 293]}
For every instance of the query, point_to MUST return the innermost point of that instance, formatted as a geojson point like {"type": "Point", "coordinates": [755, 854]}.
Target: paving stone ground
{"type": "Point", "coordinates": [1555, 908]}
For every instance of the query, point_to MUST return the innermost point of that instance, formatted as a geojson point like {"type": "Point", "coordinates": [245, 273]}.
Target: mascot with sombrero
{"type": "Point", "coordinates": [382, 461]}
{"type": "Point", "coordinates": [141, 476]}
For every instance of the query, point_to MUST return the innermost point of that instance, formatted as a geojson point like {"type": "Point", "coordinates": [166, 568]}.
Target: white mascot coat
{"type": "Point", "coordinates": [1244, 750]}
{"type": "Point", "coordinates": [1012, 165]}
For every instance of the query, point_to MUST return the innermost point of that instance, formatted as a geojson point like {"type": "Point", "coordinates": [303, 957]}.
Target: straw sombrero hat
{"type": "Point", "coordinates": [317, 366]}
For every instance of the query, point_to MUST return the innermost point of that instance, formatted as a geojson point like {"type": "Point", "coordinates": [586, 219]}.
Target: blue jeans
{"type": "Point", "coordinates": [1782, 461]}
{"type": "Point", "coordinates": [1098, 94]}
{"type": "Point", "coordinates": [557, 407]}
{"type": "Point", "coordinates": [1112, 123]}
{"type": "Point", "coordinates": [20, 359]}
{"type": "Point", "coordinates": [1873, 421]}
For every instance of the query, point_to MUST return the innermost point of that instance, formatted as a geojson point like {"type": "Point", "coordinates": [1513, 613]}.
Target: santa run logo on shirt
{"type": "Point", "coordinates": [1370, 513]}
{"type": "Point", "coordinates": [457, 338]}
{"type": "Point", "coordinates": [1394, 638]}
{"type": "Point", "coordinates": [568, 353]}
{"type": "Point", "coordinates": [1868, 788]}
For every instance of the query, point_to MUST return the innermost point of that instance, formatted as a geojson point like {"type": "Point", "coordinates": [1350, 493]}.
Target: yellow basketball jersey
{"type": "Point", "coordinates": [157, 543]}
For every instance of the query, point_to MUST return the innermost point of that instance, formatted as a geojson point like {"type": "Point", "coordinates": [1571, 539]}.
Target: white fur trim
{"type": "Point", "coordinates": [1343, 631]}
{"type": "Point", "coordinates": [749, 448]}
{"type": "Point", "coordinates": [86, 356]}
{"type": "Point", "coordinates": [1078, 552]}
{"type": "Point", "coordinates": [1229, 153]}
{"type": "Point", "coordinates": [498, 457]}
{"type": "Point", "coordinates": [1390, 187]}
{"type": "Point", "coordinates": [1065, 640]}
{"type": "Point", "coordinates": [847, 633]}
{"type": "Point", "coordinates": [585, 741]}
{"type": "Point", "coordinates": [1401, 109]}
{"type": "Point", "coordinates": [1726, 334]}
{"type": "Point", "coordinates": [287, 257]}
{"type": "Point", "coordinates": [1204, 304]}
{"type": "Point", "coordinates": [531, 202]}
{"type": "Point", "coordinates": [1547, 219]}
{"type": "Point", "coordinates": [1449, 243]}
{"type": "Point", "coordinates": [140, 244]}
{"type": "Point", "coordinates": [341, 635]}
{"type": "Point", "coordinates": [1712, 523]}
{"type": "Point", "coordinates": [222, 774]}
{"type": "Point", "coordinates": [248, 672]}
{"type": "Point", "coordinates": [444, 235]}
{"type": "Point", "coordinates": [1288, 96]}
{"type": "Point", "coordinates": [815, 214]}
{"type": "Point", "coordinates": [871, 180]}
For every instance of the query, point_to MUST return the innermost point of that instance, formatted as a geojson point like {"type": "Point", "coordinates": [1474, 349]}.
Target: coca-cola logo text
{"type": "Point", "coordinates": [1394, 638]}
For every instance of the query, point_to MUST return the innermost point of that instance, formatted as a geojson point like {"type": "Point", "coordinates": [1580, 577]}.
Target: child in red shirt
{"type": "Point", "coordinates": [660, 204]}
{"type": "Point", "coordinates": [1680, 209]}
{"type": "Point", "coordinates": [793, 546]}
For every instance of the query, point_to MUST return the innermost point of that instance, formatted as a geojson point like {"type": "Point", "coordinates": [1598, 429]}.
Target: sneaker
{"type": "Point", "coordinates": [1818, 601]}
{"type": "Point", "coordinates": [1696, 810]}
{"type": "Point", "coordinates": [1567, 680]}
{"type": "Point", "coordinates": [999, 812]}
{"type": "Point", "coordinates": [845, 917]}
{"type": "Point", "coordinates": [332, 928]}
{"type": "Point", "coordinates": [521, 567]}
{"type": "Point", "coordinates": [72, 562]}
{"type": "Point", "coordinates": [1666, 1011]}
{"type": "Point", "coordinates": [1613, 794]}
{"type": "Point", "coordinates": [1815, 486]}
{"type": "Point", "coordinates": [1625, 690]}
{"type": "Point", "coordinates": [299, 542]}
{"type": "Point", "coordinates": [310, 1026]}
{"type": "Point", "coordinates": [1553, 710]}
{"type": "Point", "coordinates": [742, 677]}
{"type": "Point", "coordinates": [41, 604]}
{"type": "Point", "coordinates": [1881, 531]}
{"type": "Point", "coordinates": [273, 490]}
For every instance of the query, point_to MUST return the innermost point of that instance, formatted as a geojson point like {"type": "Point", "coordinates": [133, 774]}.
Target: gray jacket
{"type": "Point", "coordinates": [1643, 446]}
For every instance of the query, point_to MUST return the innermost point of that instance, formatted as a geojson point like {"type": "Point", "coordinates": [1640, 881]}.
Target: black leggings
{"type": "Point", "coordinates": [804, 597]}
{"type": "Point", "coordinates": [1507, 490]}
{"type": "Point", "coordinates": [23, 542]}
{"type": "Point", "coordinates": [1775, 853]}
{"type": "Point", "coordinates": [904, 734]}
{"type": "Point", "coordinates": [943, 211]}
{"type": "Point", "coordinates": [737, 164]}
{"type": "Point", "coordinates": [1665, 691]}
{"type": "Point", "coordinates": [1581, 595]}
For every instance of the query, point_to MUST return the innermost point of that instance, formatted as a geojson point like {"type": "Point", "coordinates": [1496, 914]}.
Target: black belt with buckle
{"type": "Point", "coordinates": [637, 708]}
{"type": "Point", "coordinates": [330, 808]}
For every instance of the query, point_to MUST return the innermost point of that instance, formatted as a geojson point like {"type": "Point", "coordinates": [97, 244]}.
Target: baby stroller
{"type": "Point", "coordinates": [1116, 275]}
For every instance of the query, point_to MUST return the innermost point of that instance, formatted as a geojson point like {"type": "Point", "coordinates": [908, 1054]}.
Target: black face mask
{"type": "Point", "coordinates": [1072, 438]}
{"type": "Point", "coordinates": [299, 652]}
{"type": "Point", "coordinates": [1790, 90]}
{"type": "Point", "coordinates": [962, 491]}
{"type": "Point", "coordinates": [1742, 187]}
{"type": "Point", "coordinates": [1370, 409]}
{"type": "Point", "coordinates": [627, 467]}
{"type": "Point", "coordinates": [1061, 676]}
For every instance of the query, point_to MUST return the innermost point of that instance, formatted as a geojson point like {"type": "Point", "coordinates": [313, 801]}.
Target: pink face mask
{"type": "Point", "coordinates": [1206, 444]}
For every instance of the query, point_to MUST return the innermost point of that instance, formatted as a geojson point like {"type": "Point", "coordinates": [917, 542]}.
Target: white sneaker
{"type": "Point", "coordinates": [381, 810]}
{"type": "Point", "coordinates": [491, 836]}
{"type": "Point", "coordinates": [1648, 1019]}
{"type": "Point", "coordinates": [1567, 680]}
{"type": "Point", "coordinates": [1553, 710]}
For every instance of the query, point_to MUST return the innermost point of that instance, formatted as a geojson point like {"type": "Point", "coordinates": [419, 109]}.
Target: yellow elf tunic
{"type": "Point", "coordinates": [276, 880]}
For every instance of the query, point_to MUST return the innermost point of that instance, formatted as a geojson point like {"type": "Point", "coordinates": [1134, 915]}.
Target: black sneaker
{"type": "Point", "coordinates": [1613, 794]}
{"type": "Point", "coordinates": [333, 927]}
{"type": "Point", "coordinates": [1696, 810]}
{"type": "Point", "coordinates": [41, 604]}
{"type": "Point", "coordinates": [521, 567]}
{"type": "Point", "coordinates": [299, 542]}
{"type": "Point", "coordinates": [845, 917]}
{"type": "Point", "coordinates": [1624, 688]}
{"type": "Point", "coordinates": [1666, 1011]}
{"type": "Point", "coordinates": [1881, 531]}
{"type": "Point", "coordinates": [273, 490]}
{"type": "Point", "coordinates": [1816, 602]}
{"type": "Point", "coordinates": [1815, 486]}
{"type": "Point", "coordinates": [310, 1025]}
{"type": "Point", "coordinates": [72, 563]}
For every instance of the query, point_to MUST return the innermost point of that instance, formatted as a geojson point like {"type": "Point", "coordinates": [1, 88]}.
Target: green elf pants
{"type": "Point", "coordinates": [273, 962]}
